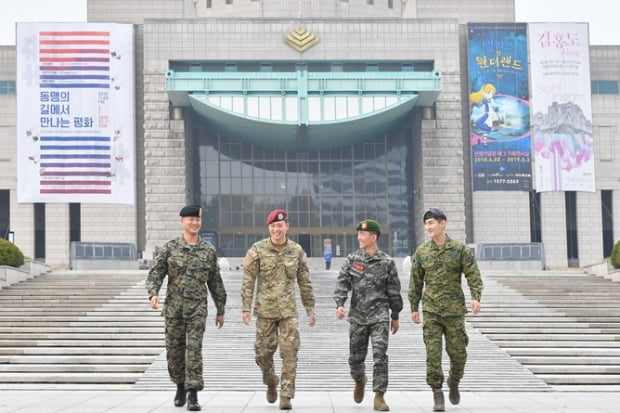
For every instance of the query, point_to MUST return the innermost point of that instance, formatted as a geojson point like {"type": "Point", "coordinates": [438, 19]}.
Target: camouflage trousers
{"type": "Point", "coordinates": [453, 328]}
{"type": "Point", "coordinates": [379, 334]}
{"type": "Point", "coordinates": [271, 333]}
{"type": "Point", "coordinates": [184, 351]}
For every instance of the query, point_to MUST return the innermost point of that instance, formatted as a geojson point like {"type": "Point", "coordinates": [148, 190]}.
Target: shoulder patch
{"type": "Point", "coordinates": [252, 252]}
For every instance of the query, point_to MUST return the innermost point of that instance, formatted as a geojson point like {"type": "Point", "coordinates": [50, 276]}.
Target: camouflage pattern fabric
{"type": "Point", "coordinates": [192, 272]}
{"type": "Point", "coordinates": [453, 328]}
{"type": "Point", "coordinates": [379, 334]}
{"type": "Point", "coordinates": [436, 273]}
{"type": "Point", "coordinates": [269, 334]}
{"type": "Point", "coordinates": [274, 271]}
{"type": "Point", "coordinates": [375, 292]}
{"type": "Point", "coordinates": [375, 287]}
{"type": "Point", "coordinates": [184, 339]}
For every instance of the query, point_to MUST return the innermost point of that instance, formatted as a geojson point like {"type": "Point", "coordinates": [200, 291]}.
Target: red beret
{"type": "Point", "coordinates": [276, 215]}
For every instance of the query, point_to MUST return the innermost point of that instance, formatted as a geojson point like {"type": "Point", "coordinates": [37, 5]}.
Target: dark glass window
{"type": "Point", "coordinates": [535, 226]}
{"type": "Point", "coordinates": [75, 225]}
{"type": "Point", "coordinates": [39, 231]}
{"type": "Point", "coordinates": [5, 213]}
{"type": "Point", "coordinates": [608, 221]}
{"type": "Point", "coordinates": [572, 247]}
{"type": "Point", "coordinates": [209, 4]}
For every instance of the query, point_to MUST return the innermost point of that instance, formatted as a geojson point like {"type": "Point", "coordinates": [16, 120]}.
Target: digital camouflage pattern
{"type": "Point", "coordinates": [273, 272]}
{"type": "Point", "coordinates": [436, 280]}
{"type": "Point", "coordinates": [375, 299]}
{"type": "Point", "coordinates": [374, 285]}
{"type": "Point", "coordinates": [192, 272]}
{"type": "Point", "coordinates": [436, 271]}
{"type": "Point", "coordinates": [379, 334]}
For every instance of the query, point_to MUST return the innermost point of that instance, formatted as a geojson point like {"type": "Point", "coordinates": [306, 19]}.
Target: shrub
{"type": "Point", "coordinates": [10, 254]}
{"type": "Point", "coordinates": [615, 255]}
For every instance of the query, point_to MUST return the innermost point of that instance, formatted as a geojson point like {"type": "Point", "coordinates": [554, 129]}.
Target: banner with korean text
{"type": "Point", "coordinates": [499, 107]}
{"type": "Point", "coordinates": [75, 113]}
{"type": "Point", "coordinates": [562, 107]}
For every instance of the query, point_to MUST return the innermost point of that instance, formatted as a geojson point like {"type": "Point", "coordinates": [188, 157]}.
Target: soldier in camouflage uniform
{"type": "Point", "coordinates": [376, 302]}
{"type": "Point", "coordinates": [273, 266]}
{"type": "Point", "coordinates": [436, 269]}
{"type": "Point", "coordinates": [192, 269]}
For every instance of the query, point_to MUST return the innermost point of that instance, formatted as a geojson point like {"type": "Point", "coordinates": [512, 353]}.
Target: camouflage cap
{"type": "Point", "coordinates": [191, 211]}
{"type": "Point", "coordinates": [436, 213]}
{"type": "Point", "coordinates": [276, 215]}
{"type": "Point", "coordinates": [368, 225]}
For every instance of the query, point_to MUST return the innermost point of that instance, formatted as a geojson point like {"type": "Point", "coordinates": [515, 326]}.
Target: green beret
{"type": "Point", "coordinates": [369, 225]}
{"type": "Point", "coordinates": [191, 211]}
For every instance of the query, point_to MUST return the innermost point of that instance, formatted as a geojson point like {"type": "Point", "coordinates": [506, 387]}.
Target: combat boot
{"type": "Point", "coordinates": [179, 397]}
{"type": "Point", "coordinates": [453, 394]}
{"type": "Point", "coordinates": [272, 388]}
{"type": "Point", "coordinates": [285, 403]}
{"type": "Point", "coordinates": [440, 405]}
{"type": "Point", "coordinates": [358, 393]}
{"type": "Point", "coordinates": [379, 403]}
{"type": "Point", "coordinates": [192, 401]}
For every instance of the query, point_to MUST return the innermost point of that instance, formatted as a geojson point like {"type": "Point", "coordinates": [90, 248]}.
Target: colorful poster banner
{"type": "Point", "coordinates": [499, 107]}
{"type": "Point", "coordinates": [562, 107]}
{"type": "Point", "coordinates": [75, 113]}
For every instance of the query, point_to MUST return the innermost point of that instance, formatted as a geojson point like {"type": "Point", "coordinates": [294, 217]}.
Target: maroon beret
{"type": "Point", "coordinates": [276, 215]}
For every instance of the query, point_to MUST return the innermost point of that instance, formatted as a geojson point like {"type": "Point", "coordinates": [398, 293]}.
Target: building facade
{"type": "Point", "coordinates": [334, 110]}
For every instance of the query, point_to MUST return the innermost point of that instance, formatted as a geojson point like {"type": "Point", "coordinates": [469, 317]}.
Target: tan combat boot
{"type": "Point", "coordinates": [285, 403]}
{"type": "Point", "coordinates": [272, 388]}
{"type": "Point", "coordinates": [440, 405]}
{"type": "Point", "coordinates": [379, 403]}
{"type": "Point", "coordinates": [358, 393]}
{"type": "Point", "coordinates": [453, 394]}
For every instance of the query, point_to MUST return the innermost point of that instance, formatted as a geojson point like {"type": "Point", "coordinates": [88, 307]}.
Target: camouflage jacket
{"type": "Point", "coordinates": [437, 271]}
{"type": "Point", "coordinates": [190, 270]}
{"type": "Point", "coordinates": [274, 273]}
{"type": "Point", "coordinates": [375, 287]}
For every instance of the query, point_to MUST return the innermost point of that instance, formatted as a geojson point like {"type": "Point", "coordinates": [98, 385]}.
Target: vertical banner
{"type": "Point", "coordinates": [562, 109]}
{"type": "Point", "coordinates": [75, 113]}
{"type": "Point", "coordinates": [499, 107]}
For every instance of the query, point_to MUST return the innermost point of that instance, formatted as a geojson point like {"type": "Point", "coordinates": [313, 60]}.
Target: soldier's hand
{"type": "Point", "coordinates": [154, 302]}
{"type": "Point", "coordinates": [415, 317]}
{"type": "Point", "coordinates": [340, 313]}
{"type": "Point", "coordinates": [394, 326]}
{"type": "Point", "coordinates": [219, 321]}
{"type": "Point", "coordinates": [246, 316]}
{"type": "Point", "coordinates": [312, 321]}
{"type": "Point", "coordinates": [475, 306]}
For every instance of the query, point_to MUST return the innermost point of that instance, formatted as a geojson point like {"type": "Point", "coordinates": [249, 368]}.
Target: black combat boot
{"type": "Point", "coordinates": [192, 401]}
{"type": "Point", "coordinates": [179, 397]}
{"type": "Point", "coordinates": [440, 405]}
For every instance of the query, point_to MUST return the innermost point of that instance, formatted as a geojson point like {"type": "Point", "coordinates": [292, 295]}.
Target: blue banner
{"type": "Point", "coordinates": [499, 107]}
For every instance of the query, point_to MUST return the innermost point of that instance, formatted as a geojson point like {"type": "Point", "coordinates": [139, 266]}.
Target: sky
{"type": "Point", "coordinates": [604, 27]}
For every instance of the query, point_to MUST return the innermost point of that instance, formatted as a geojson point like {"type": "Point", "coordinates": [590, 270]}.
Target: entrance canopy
{"type": "Point", "coordinates": [302, 110]}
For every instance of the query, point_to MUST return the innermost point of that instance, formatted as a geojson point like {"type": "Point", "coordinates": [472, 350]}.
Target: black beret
{"type": "Point", "coordinates": [368, 225]}
{"type": "Point", "coordinates": [436, 213]}
{"type": "Point", "coordinates": [191, 211]}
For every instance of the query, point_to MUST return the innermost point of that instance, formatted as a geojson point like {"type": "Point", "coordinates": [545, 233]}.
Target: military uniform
{"type": "Point", "coordinates": [375, 298]}
{"type": "Point", "coordinates": [192, 272]}
{"type": "Point", "coordinates": [274, 271]}
{"type": "Point", "coordinates": [436, 272]}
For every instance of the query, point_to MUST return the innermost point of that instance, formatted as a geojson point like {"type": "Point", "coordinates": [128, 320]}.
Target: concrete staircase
{"type": "Point", "coordinates": [538, 331]}
{"type": "Point", "coordinates": [562, 326]}
{"type": "Point", "coordinates": [68, 330]}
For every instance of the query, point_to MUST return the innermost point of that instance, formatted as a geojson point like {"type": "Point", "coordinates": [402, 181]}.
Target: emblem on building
{"type": "Point", "coordinates": [301, 39]}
